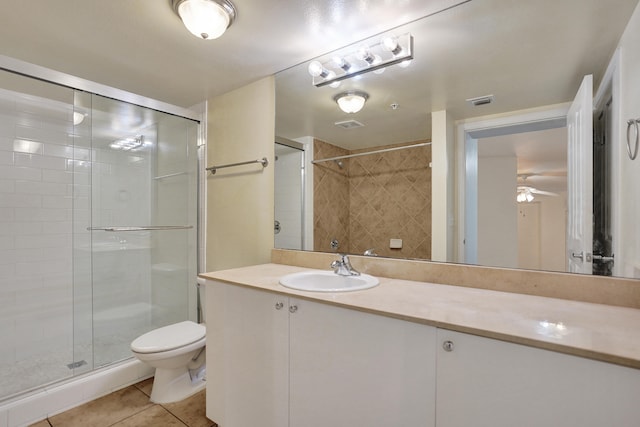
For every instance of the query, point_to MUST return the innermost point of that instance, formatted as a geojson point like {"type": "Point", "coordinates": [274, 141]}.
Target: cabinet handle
{"type": "Point", "coordinates": [279, 305]}
{"type": "Point", "coordinates": [293, 309]}
{"type": "Point", "coordinates": [447, 345]}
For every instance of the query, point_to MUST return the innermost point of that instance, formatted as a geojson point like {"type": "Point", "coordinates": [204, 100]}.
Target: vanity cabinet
{"type": "Point", "coordinates": [489, 383]}
{"type": "Point", "coordinates": [274, 360]}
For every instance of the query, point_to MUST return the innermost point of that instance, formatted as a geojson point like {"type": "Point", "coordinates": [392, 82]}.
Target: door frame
{"type": "Point", "coordinates": [467, 134]}
{"type": "Point", "coordinates": [611, 84]}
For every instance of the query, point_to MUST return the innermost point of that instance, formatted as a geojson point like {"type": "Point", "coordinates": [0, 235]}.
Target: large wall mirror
{"type": "Point", "coordinates": [535, 170]}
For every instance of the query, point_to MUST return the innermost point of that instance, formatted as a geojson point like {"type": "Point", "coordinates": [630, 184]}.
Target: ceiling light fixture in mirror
{"type": "Point", "coordinates": [351, 101]}
{"type": "Point", "coordinates": [368, 57]}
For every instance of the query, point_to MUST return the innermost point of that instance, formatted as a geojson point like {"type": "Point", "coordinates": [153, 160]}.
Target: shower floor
{"type": "Point", "coordinates": [34, 372]}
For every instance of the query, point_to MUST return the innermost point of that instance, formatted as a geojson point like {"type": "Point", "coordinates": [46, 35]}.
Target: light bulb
{"type": "Point", "coordinates": [390, 44]}
{"type": "Point", "coordinates": [377, 60]}
{"type": "Point", "coordinates": [364, 54]}
{"type": "Point", "coordinates": [330, 76]}
{"type": "Point", "coordinates": [317, 70]}
{"type": "Point", "coordinates": [342, 63]}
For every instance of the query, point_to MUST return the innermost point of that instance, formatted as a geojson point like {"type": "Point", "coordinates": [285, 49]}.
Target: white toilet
{"type": "Point", "coordinates": [178, 353]}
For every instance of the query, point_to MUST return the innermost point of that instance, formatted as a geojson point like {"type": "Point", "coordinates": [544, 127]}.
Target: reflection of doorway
{"type": "Point", "coordinates": [485, 168]}
{"type": "Point", "coordinates": [517, 170]}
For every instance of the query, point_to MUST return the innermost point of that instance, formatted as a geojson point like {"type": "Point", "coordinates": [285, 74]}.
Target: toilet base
{"type": "Point", "coordinates": [173, 385]}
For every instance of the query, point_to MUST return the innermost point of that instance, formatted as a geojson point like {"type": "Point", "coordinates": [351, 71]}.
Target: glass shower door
{"type": "Point", "coordinates": [143, 223]}
{"type": "Point", "coordinates": [36, 282]}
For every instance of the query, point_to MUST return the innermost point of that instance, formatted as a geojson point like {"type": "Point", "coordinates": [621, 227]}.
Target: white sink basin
{"type": "Point", "coordinates": [327, 281]}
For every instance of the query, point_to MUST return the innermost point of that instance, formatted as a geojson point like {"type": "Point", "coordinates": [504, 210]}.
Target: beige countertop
{"type": "Point", "coordinates": [596, 331]}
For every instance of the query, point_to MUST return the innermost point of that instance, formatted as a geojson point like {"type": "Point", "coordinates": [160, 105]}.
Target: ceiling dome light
{"type": "Point", "coordinates": [351, 101]}
{"type": "Point", "coordinates": [206, 19]}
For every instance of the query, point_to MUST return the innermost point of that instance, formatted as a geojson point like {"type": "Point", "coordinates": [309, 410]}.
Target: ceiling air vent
{"type": "Point", "coordinates": [349, 124]}
{"type": "Point", "coordinates": [480, 100]}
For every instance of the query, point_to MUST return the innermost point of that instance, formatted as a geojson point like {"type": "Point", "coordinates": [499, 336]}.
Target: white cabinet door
{"type": "Point", "coordinates": [350, 368]}
{"type": "Point", "coordinates": [490, 383]}
{"type": "Point", "coordinates": [247, 357]}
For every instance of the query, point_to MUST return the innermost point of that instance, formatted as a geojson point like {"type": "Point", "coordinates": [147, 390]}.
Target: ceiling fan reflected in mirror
{"type": "Point", "coordinates": [526, 193]}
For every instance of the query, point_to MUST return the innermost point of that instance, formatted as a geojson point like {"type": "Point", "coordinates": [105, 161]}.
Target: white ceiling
{"type": "Point", "coordinates": [526, 53]}
{"type": "Point", "coordinates": [142, 47]}
{"type": "Point", "coordinates": [541, 156]}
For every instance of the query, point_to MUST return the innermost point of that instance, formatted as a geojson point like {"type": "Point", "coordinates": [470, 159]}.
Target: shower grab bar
{"type": "Point", "coordinates": [366, 153]}
{"type": "Point", "coordinates": [147, 228]}
{"type": "Point", "coordinates": [263, 161]}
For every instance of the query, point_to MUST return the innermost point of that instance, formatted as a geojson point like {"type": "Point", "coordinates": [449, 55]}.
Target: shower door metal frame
{"type": "Point", "coordinates": [35, 71]}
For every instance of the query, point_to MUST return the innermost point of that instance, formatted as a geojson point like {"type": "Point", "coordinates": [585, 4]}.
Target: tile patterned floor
{"type": "Point", "coordinates": [130, 407]}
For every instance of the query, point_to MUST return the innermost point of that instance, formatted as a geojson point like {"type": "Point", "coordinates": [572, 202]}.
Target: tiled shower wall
{"type": "Point", "coordinates": [330, 199]}
{"type": "Point", "coordinates": [36, 295]}
{"type": "Point", "coordinates": [373, 199]}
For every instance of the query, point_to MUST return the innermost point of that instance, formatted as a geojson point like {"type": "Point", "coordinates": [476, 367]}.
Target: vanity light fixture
{"type": "Point", "coordinates": [205, 19]}
{"type": "Point", "coordinates": [375, 57]}
{"type": "Point", "coordinates": [351, 101]}
{"type": "Point", "coordinates": [129, 144]}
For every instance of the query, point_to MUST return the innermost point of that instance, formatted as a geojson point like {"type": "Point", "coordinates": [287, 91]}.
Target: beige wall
{"type": "Point", "coordinates": [442, 186]}
{"type": "Point", "coordinates": [241, 127]}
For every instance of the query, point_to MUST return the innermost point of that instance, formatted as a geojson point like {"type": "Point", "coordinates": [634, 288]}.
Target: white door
{"type": "Point", "coordinates": [580, 180]}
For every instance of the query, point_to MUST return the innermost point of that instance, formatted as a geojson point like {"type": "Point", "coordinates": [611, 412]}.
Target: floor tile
{"type": "Point", "coordinates": [104, 411]}
{"type": "Point", "coordinates": [43, 423]}
{"type": "Point", "coordinates": [153, 416]}
{"type": "Point", "coordinates": [145, 386]}
{"type": "Point", "coordinates": [191, 410]}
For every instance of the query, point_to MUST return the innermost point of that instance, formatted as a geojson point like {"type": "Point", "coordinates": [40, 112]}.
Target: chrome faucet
{"type": "Point", "coordinates": [370, 252]}
{"type": "Point", "coordinates": [342, 266]}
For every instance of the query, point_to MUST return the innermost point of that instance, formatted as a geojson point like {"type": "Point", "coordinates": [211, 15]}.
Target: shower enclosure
{"type": "Point", "coordinates": [98, 241]}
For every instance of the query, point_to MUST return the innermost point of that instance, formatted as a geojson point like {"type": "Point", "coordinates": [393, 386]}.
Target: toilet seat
{"type": "Point", "coordinates": [169, 337]}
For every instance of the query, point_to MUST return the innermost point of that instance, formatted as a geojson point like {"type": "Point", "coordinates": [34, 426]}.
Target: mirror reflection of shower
{"type": "Point", "coordinates": [289, 195]}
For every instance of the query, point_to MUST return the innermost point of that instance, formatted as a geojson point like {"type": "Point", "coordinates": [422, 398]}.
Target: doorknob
{"type": "Point", "coordinates": [603, 259]}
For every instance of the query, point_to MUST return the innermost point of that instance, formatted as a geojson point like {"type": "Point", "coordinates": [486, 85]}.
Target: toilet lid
{"type": "Point", "coordinates": [169, 337]}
